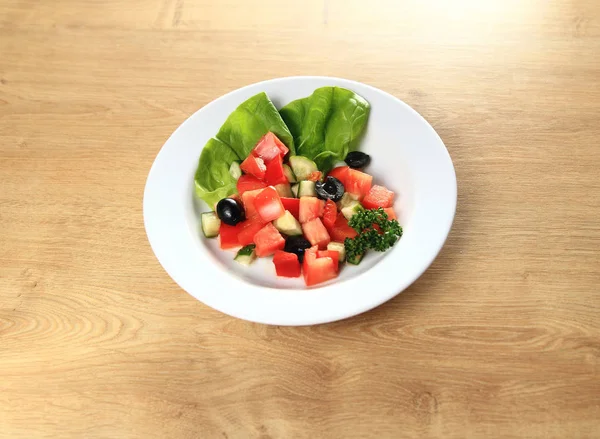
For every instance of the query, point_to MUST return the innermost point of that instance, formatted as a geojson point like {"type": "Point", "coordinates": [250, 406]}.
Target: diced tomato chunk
{"type": "Point", "coordinates": [315, 176]}
{"type": "Point", "coordinates": [329, 214]}
{"type": "Point", "coordinates": [340, 173]}
{"type": "Point", "coordinates": [249, 228]}
{"type": "Point", "coordinates": [378, 196]}
{"type": "Point", "coordinates": [254, 166]}
{"type": "Point", "coordinates": [341, 230]}
{"type": "Point", "coordinates": [268, 204]}
{"type": "Point", "coordinates": [286, 264]}
{"type": "Point", "coordinates": [293, 205]}
{"type": "Point", "coordinates": [268, 240]}
{"type": "Point", "coordinates": [228, 236]}
{"type": "Point", "coordinates": [333, 254]}
{"type": "Point", "coordinates": [316, 233]}
{"type": "Point", "coordinates": [390, 213]}
{"type": "Point", "coordinates": [274, 174]}
{"type": "Point", "coordinates": [269, 147]}
{"type": "Point", "coordinates": [310, 208]}
{"type": "Point", "coordinates": [248, 198]}
{"type": "Point", "coordinates": [317, 270]}
{"type": "Point", "coordinates": [358, 183]}
{"type": "Point", "coordinates": [248, 182]}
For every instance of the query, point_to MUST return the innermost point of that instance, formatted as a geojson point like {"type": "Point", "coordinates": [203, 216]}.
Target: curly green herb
{"type": "Point", "coordinates": [375, 232]}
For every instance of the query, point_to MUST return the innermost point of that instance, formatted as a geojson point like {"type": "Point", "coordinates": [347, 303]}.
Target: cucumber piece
{"type": "Point", "coordinates": [338, 247]}
{"type": "Point", "coordinates": [347, 198]}
{"type": "Point", "coordinates": [288, 224]}
{"type": "Point", "coordinates": [307, 189]}
{"type": "Point", "coordinates": [351, 209]}
{"type": "Point", "coordinates": [295, 188]}
{"type": "Point", "coordinates": [356, 259]}
{"type": "Point", "coordinates": [246, 255]}
{"type": "Point", "coordinates": [210, 224]}
{"type": "Point", "coordinates": [302, 166]}
{"type": "Point", "coordinates": [235, 170]}
{"type": "Point", "coordinates": [289, 174]}
{"type": "Point", "coordinates": [284, 190]}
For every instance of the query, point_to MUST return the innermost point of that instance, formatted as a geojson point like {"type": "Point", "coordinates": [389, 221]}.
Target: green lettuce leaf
{"type": "Point", "coordinates": [327, 124]}
{"type": "Point", "coordinates": [242, 130]}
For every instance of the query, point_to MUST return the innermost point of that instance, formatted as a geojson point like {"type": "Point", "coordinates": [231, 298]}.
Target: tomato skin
{"type": "Point", "coordinates": [310, 208]}
{"type": "Point", "coordinates": [315, 176]}
{"type": "Point", "coordinates": [268, 204]}
{"type": "Point", "coordinates": [293, 205]}
{"type": "Point", "coordinates": [248, 198]}
{"type": "Point", "coordinates": [286, 264]}
{"type": "Point", "coordinates": [268, 240]}
{"type": "Point", "coordinates": [358, 183]}
{"type": "Point", "coordinates": [269, 147]}
{"type": "Point", "coordinates": [340, 173]}
{"type": "Point", "coordinates": [248, 229]}
{"type": "Point", "coordinates": [329, 214]}
{"type": "Point", "coordinates": [274, 173]}
{"type": "Point", "coordinates": [317, 270]}
{"type": "Point", "coordinates": [228, 236]}
{"type": "Point", "coordinates": [341, 230]}
{"type": "Point", "coordinates": [378, 196]}
{"type": "Point", "coordinates": [254, 166]}
{"type": "Point", "coordinates": [316, 233]}
{"type": "Point", "coordinates": [249, 182]}
{"type": "Point", "coordinates": [390, 213]}
{"type": "Point", "coordinates": [330, 254]}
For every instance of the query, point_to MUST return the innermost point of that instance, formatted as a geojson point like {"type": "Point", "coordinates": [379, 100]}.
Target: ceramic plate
{"type": "Point", "coordinates": [407, 156]}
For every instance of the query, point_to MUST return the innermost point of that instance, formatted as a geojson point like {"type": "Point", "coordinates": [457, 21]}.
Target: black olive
{"type": "Point", "coordinates": [357, 159]}
{"type": "Point", "coordinates": [230, 211]}
{"type": "Point", "coordinates": [296, 245]}
{"type": "Point", "coordinates": [330, 189]}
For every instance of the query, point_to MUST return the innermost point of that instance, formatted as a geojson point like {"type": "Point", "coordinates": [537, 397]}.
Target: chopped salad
{"type": "Point", "coordinates": [291, 184]}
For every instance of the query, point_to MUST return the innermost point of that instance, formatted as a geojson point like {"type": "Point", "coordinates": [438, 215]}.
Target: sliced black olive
{"type": "Point", "coordinates": [330, 189]}
{"type": "Point", "coordinates": [296, 245]}
{"type": "Point", "coordinates": [230, 211]}
{"type": "Point", "coordinates": [357, 159]}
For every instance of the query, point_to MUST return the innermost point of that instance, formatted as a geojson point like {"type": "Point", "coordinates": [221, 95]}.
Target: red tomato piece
{"type": "Point", "coordinates": [317, 270]}
{"type": "Point", "coordinates": [228, 236]}
{"type": "Point", "coordinates": [310, 208]}
{"type": "Point", "coordinates": [316, 233]}
{"type": "Point", "coordinates": [248, 198]}
{"type": "Point", "coordinates": [268, 204]}
{"type": "Point", "coordinates": [254, 166]}
{"type": "Point", "coordinates": [274, 174]}
{"type": "Point", "coordinates": [268, 240]}
{"type": "Point", "coordinates": [340, 173]}
{"type": "Point", "coordinates": [248, 229]}
{"type": "Point", "coordinates": [315, 176]}
{"type": "Point", "coordinates": [249, 182]}
{"type": "Point", "coordinates": [378, 196]}
{"type": "Point", "coordinates": [390, 213]}
{"type": "Point", "coordinates": [329, 214]}
{"type": "Point", "coordinates": [341, 230]}
{"type": "Point", "coordinates": [293, 205]}
{"type": "Point", "coordinates": [335, 255]}
{"type": "Point", "coordinates": [358, 183]}
{"type": "Point", "coordinates": [269, 147]}
{"type": "Point", "coordinates": [286, 264]}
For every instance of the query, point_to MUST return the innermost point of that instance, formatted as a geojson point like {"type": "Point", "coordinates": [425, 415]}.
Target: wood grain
{"type": "Point", "coordinates": [499, 338]}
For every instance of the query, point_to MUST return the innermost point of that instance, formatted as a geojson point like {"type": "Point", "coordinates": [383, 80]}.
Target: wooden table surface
{"type": "Point", "coordinates": [499, 338]}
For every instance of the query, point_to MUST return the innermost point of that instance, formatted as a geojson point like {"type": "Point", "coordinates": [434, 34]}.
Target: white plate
{"type": "Point", "coordinates": [408, 157]}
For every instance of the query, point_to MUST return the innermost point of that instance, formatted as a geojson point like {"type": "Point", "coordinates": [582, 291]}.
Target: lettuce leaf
{"type": "Point", "coordinates": [327, 124]}
{"type": "Point", "coordinates": [242, 130]}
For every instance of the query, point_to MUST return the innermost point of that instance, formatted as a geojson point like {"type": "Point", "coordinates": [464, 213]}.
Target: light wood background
{"type": "Point", "coordinates": [500, 337]}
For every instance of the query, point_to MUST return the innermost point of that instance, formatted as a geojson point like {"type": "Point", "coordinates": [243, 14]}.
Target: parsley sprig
{"type": "Point", "coordinates": [375, 232]}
